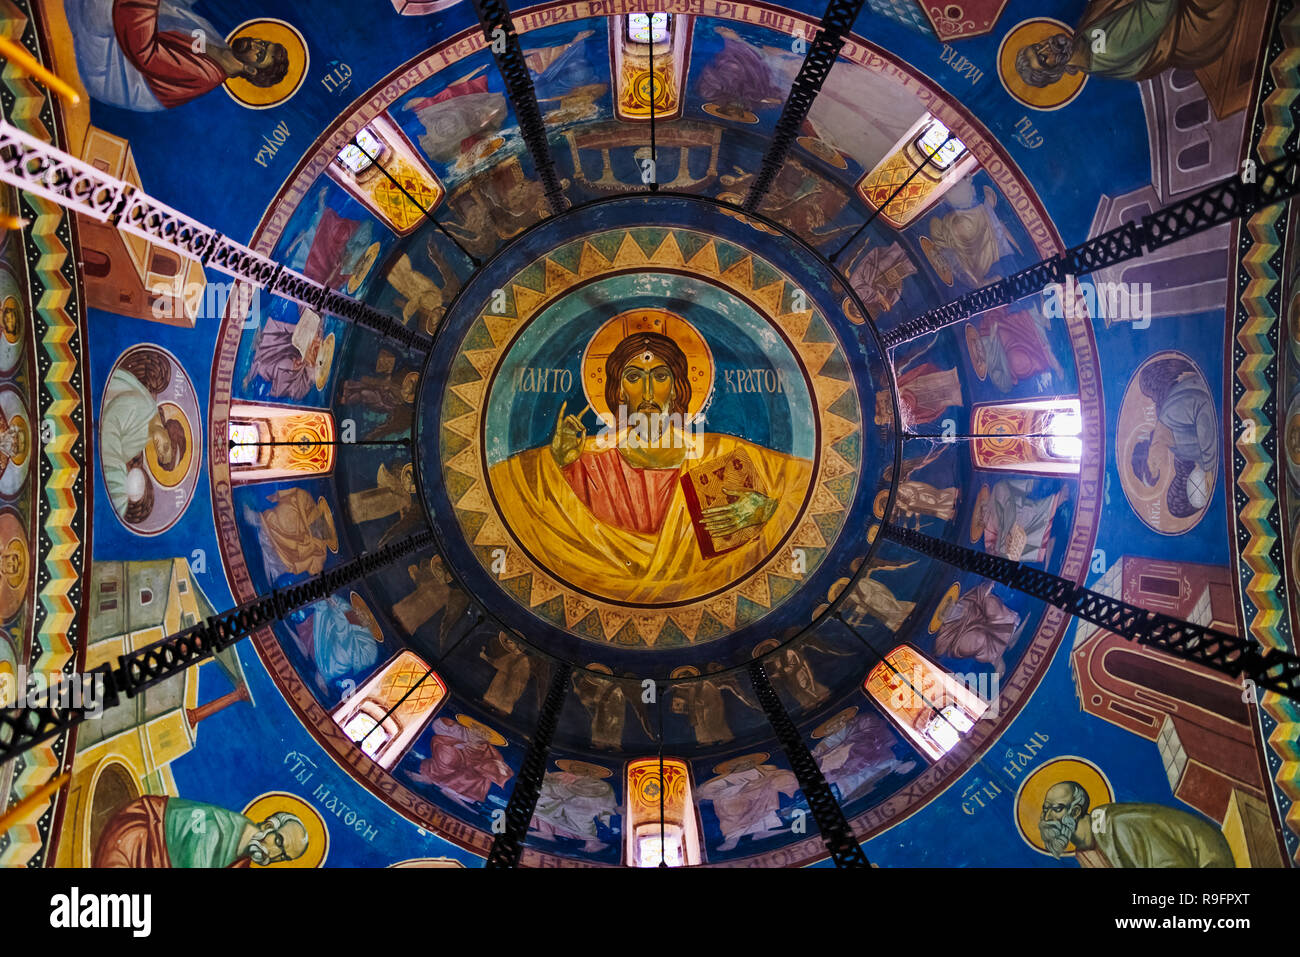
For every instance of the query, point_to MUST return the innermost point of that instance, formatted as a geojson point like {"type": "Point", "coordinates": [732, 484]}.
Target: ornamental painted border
{"type": "Point", "coordinates": [63, 508]}
{"type": "Point", "coordinates": [1261, 250]}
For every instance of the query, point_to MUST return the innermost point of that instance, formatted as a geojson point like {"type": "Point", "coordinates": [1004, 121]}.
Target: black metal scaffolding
{"type": "Point", "coordinates": [834, 828]}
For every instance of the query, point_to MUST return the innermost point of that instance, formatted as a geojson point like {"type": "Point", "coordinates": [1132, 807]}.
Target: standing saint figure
{"type": "Point", "coordinates": [700, 699]}
{"type": "Point", "coordinates": [855, 751]}
{"type": "Point", "coordinates": [513, 669]}
{"type": "Point", "coordinates": [575, 802]}
{"type": "Point", "coordinates": [979, 626]}
{"type": "Point", "coordinates": [292, 358]}
{"type": "Point", "coordinates": [463, 760]}
{"type": "Point", "coordinates": [1016, 526]}
{"type": "Point", "coordinates": [297, 533]}
{"type": "Point", "coordinates": [746, 796]}
{"type": "Point", "coordinates": [132, 419]}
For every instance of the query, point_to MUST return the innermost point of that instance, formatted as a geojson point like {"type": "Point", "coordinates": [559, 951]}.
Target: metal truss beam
{"type": "Point", "coordinates": [508, 846]}
{"type": "Point", "coordinates": [844, 848]}
{"type": "Point", "coordinates": [24, 728]}
{"type": "Point", "coordinates": [1224, 201]}
{"type": "Point", "coordinates": [1272, 670]}
{"type": "Point", "coordinates": [499, 31]}
{"type": "Point", "coordinates": [822, 51]}
{"type": "Point", "coordinates": [38, 167]}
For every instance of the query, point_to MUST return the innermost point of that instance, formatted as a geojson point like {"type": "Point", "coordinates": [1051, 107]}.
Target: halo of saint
{"type": "Point", "coordinates": [651, 509]}
{"type": "Point", "coordinates": [274, 38]}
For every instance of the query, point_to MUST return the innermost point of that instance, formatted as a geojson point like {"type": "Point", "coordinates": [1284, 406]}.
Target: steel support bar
{"type": "Point", "coordinates": [844, 848]}
{"type": "Point", "coordinates": [499, 31]}
{"type": "Point", "coordinates": [38, 167]}
{"type": "Point", "coordinates": [822, 51]}
{"type": "Point", "coordinates": [508, 846]}
{"type": "Point", "coordinates": [1239, 657]}
{"type": "Point", "coordinates": [23, 728]}
{"type": "Point", "coordinates": [1223, 202]}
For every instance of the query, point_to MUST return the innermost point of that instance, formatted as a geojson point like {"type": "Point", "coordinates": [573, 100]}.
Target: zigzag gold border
{"type": "Point", "coordinates": [60, 498]}
{"type": "Point", "coordinates": [1257, 436]}
{"type": "Point", "coordinates": [533, 584]}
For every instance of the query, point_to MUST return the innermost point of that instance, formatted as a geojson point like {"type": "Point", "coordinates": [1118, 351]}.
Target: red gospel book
{"type": "Point", "coordinates": [703, 488]}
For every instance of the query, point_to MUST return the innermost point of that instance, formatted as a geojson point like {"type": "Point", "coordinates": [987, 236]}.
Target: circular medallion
{"type": "Point", "coordinates": [150, 449]}
{"type": "Point", "coordinates": [1032, 67]}
{"type": "Point", "coordinates": [277, 55]}
{"type": "Point", "coordinates": [1167, 443]}
{"type": "Point", "coordinates": [637, 442]}
{"type": "Point", "coordinates": [13, 321]}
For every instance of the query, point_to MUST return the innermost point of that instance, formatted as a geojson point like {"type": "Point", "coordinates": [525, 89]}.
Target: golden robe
{"type": "Point", "coordinates": [562, 534]}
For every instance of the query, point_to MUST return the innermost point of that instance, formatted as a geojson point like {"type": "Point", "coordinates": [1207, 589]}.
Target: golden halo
{"type": "Point", "coordinates": [18, 308]}
{"type": "Point", "coordinates": [1029, 798]}
{"type": "Point", "coordinates": [945, 605]}
{"type": "Point", "coordinates": [852, 312]}
{"type": "Point", "coordinates": [428, 862]}
{"type": "Point", "coordinates": [742, 763]}
{"type": "Point", "coordinates": [318, 837]}
{"type": "Point", "coordinates": [368, 617]}
{"type": "Point", "coordinates": [977, 516]}
{"type": "Point", "coordinates": [685, 671]}
{"type": "Point", "coordinates": [698, 357]}
{"type": "Point", "coordinates": [20, 457]}
{"type": "Point", "coordinates": [170, 478]}
{"type": "Point", "coordinates": [978, 359]}
{"type": "Point", "coordinates": [831, 725]}
{"type": "Point", "coordinates": [823, 151]}
{"type": "Point", "coordinates": [494, 737]}
{"type": "Point", "coordinates": [935, 255]}
{"type": "Point", "coordinates": [582, 768]}
{"type": "Point", "coordinates": [18, 545]}
{"type": "Point", "coordinates": [1045, 98]}
{"type": "Point", "coordinates": [1292, 428]}
{"type": "Point", "coordinates": [332, 543]}
{"type": "Point", "coordinates": [713, 109]}
{"type": "Point", "coordinates": [878, 506]}
{"type": "Point", "coordinates": [324, 359]}
{"type": "Point", "coordinates": [243, 91]}
{"type": "Point", "coordinates": [364, 265]}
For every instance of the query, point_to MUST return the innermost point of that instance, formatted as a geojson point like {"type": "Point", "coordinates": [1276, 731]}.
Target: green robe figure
{"type": "Point", "coordinates": [1133, 40]}
{"type": "Point", "coordinates": [1128, 835]}
{"type": "Point", "coordinates": [162, 831]}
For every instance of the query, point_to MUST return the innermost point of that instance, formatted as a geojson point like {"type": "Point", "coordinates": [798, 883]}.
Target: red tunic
{"type": "Point", "coordinates": [167, 61]}
{"type": "Point", "coordinates": [633, 499]}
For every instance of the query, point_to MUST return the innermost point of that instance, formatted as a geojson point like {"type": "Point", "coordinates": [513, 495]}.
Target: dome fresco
{"type": "Point", "coordinates": [639, 440]}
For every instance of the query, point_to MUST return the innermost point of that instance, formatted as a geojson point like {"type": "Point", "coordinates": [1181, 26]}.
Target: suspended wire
{"type": "Point", "coordinates": [654, 156]}
{"type": "Point", "coordinates": [415, 202]}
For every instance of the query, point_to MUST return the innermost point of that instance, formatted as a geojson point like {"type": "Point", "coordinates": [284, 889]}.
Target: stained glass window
{"type": "Point", "coordinates": [244, 451]}
{"type": "Point", "coordinates": [928, 704]}
{"type": "Point", "coordinates": [649, 27]}
{"type": "Point", "coordinates": [932, 138]}
{"type": "Point", "coordinates": [356, 160]}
